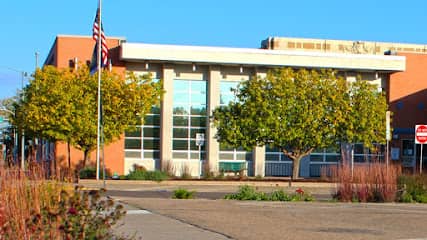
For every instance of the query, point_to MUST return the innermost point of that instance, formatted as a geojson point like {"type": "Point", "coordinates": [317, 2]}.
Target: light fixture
{"type": "Point", "coordinates": [147, 65]}
{"type": "Point", "coordinates": [241, 69]}
{"type": "Point", "coordinates": [194, 67]}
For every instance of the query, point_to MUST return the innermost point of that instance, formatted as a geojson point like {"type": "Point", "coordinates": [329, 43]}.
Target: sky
{"type": "Point", "coordinates": [29, 27]}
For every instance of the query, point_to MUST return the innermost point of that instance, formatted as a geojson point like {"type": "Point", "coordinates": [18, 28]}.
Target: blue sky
{"type": "Point", "coordinates": [31, 26]}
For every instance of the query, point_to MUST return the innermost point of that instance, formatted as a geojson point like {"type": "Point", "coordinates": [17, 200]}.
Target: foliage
{"type": "Point", "coordinates": [182, 193]}
{"type": "Point", "coordinates": [246, 192]}
{"type": "Point", "coordinates": [413, 188]}
{"type": "Point", "coordinates": [41, 209]}
{"type": "Point", "coordinates": [299, 111]}
{"type": "Point", "coordinates": [89, 172]}
{"type": "Point", "coordinates": [61, 104]}
{"type": "Point", "coordinates": [147, 175]}
{"type": "Point", "coordinates": [373, 182]}
{"type": "Point", "coordinates": [365, 120]}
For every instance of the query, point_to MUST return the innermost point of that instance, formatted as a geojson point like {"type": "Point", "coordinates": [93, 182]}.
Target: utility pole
{"type": "Point", "coordinates": [24, 74]}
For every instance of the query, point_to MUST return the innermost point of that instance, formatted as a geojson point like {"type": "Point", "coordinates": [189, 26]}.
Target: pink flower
{"type": "Point", "coordinates": [72, 211]}
{"type": "Point", "coordinates": [299, 191]}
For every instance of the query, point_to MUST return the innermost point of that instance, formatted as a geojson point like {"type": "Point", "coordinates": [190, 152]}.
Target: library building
{"type": "Point", "coordinates": [197, 79]}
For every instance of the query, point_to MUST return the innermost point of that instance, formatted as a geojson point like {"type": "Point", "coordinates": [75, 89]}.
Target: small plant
{"type": "Point", "coordinates": [157, 176]}
{"type": "Point", "coordinates": [413, 188]}
{"type": "Point", "coordinates": [182, 193]}
{"type": "Point", "coordinates": [258, 177]}
{"type": "Point", "coordinates": [207, 172]}
{"type": "Point", "coordinates": [246, 192]}
{"type": "Point", "coordinates": [185, 172]}
{"type": "Point", "coordinates": [87, 173]}
{"type": "Point", "coordinates": [168, 168]}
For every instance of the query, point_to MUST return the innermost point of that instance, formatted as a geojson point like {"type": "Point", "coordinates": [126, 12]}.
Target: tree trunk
{"type": "Point", "coordinates": [86, 157]}
{"type": "Point", "coordinates": [69, 155]}
{"type": "Point", "coordinates": [296, 166]}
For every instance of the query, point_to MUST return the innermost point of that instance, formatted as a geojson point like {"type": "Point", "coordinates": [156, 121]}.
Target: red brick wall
{"type": "Point", "coordinates": [408, 92]}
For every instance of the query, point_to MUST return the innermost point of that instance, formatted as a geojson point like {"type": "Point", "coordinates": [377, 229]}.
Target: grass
{"type": "Point", "coordinates": [32, 207]}
{"type": "Point", "coordinates": [182, 193]}
{"type": "Point", "coordinates": [157, 176]}
{"type": "Point", "coordinates": [372, 182]}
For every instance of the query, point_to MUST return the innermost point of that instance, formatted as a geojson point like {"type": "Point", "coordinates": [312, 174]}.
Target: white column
{"type": "Point", "coordinates": [166, 111]}
{"type": "Point", "coordinates": [212, 146]}
{"type": "Point", "coordinates": [258, 153]}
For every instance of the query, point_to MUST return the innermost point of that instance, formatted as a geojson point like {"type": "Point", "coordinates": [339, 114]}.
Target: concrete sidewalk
{"type": "Point", "coordinates": [146, 225]}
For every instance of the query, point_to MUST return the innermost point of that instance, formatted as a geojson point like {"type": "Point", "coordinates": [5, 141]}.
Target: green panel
{"type": "Point", "coordinates": [231, 166]}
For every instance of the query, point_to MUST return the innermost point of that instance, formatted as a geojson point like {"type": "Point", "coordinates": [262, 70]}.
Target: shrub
{"type": "Point", "coordinates": [147, 175]}
{"type": "Point", "coordinates": [89, 172]}
{"type": "Point", "coordinates": [182, 193]}
{"type": "Point", "coordinates": [413, 188]}
{"type": "Point", "coordinates": [246, 192]}
{"type": "Point", "coordinates": [41, 209]}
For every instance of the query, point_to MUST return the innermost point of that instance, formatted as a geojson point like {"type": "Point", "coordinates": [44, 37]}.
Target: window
{"type": "Point", "coordinates": [189, 117]}
{"type": "Point", "coordinates": [144, 141]}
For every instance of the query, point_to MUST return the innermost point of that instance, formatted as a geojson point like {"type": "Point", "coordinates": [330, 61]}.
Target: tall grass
{"type": "Point", "coordinates": [368, 182]}
{"type": "Point", "coordinates": [22, 194]}
{"type": "Point", "coordinates": [32, 207]}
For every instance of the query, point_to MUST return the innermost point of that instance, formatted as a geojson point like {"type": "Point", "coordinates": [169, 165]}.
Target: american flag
{"type": "Point", "coordinates": [104, 47]}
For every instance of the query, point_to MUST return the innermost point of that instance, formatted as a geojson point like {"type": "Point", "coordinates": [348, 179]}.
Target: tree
{"type": "Point", "coordinates": [61, 105]}
{"type": "Point", "coordinates": [365, 121]}
{"type": "Point", "coordinates": [295, 111]}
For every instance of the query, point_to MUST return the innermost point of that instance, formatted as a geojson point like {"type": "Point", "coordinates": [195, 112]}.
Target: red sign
{"type": "Point", "coordinates": [421, 134]}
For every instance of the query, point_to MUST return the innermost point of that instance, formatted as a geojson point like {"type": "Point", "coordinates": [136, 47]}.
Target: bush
{"type": "Point", "coordinates": [41, 209]}
{"type": "Point", "coordinates": [147, 175]}
{"type": "Point", "coordinates": [182, 193]}
{"type": "Point", "coordinates": [246, 192]}
{"type": "Point", "coordinates": [89, 172]}
{"type": "Point", "coordinates": [413, 188]}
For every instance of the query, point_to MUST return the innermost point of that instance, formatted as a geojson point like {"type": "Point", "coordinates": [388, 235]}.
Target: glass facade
{"type": "Point", "coordinates": [227, 95]}
{"type": "Point", "coordinates": [189, 118]}
{"type": "Point", "coordinates": [144, 141]}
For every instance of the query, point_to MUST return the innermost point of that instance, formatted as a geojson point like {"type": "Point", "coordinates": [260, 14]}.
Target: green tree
{"type": "Point", "coordinates": [295, 111]}
{"type": "Point", "coordinates": [61, 104]}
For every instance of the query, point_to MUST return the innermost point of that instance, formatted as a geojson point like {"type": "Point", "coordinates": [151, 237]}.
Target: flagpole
{"type": "Point", "coordinates": [99, 89]}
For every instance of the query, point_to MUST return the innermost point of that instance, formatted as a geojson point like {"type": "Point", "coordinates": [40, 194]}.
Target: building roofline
{"type": "Point", "coordinates": [88, 36]}
{"type": "Point", "coordinates": [267, 57]}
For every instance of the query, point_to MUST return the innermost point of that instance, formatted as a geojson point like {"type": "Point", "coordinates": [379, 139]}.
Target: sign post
{"type": "Point", "coordinates": [200, 141]}
{"type": "Point", "coordinates": [388, 136]}
{"type": "Point", "coordinates": [421, 138]}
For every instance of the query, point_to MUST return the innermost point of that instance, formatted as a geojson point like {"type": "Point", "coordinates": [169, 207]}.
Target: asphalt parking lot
{"type": "Point", "coordinates": [225, 219]}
